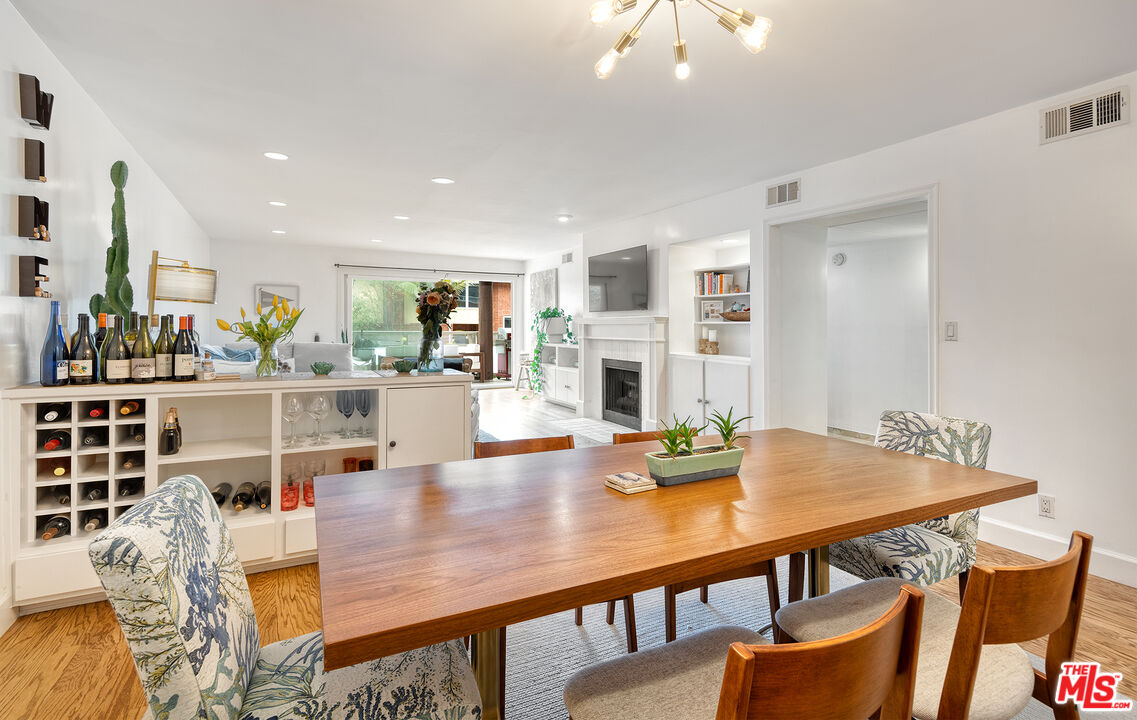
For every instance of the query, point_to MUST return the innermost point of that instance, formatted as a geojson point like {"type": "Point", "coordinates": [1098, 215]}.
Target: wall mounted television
{"type": "Point", "coordinates": [617, 281]}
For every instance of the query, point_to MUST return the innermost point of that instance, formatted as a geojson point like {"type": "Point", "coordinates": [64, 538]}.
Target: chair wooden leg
{"type": "Point", "coordinates": [704, 594]}
{"type": "Point", "coordinates": [466, 642]}
{"type": "Point", "coordinates": [669, 612]}
{"type": "Point", "coordinates": [630, 623]}
{"type": "Point", "coordinates": [772, 587]}
{"type": "Point", "coordinates": [580, 616]}
{"type": "Point", "coordinates": [797, 576]}
{"type": "Point", "coordinates": [611, 616]}
{"type": "Point", "coordinates": [963, 584]}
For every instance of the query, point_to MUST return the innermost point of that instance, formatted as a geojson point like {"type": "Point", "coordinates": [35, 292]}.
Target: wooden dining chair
{"type": "Point", "coordinates": [766, 568]}
{"type": "Point", "coordinates": [969, 660]}
{"type": "Point", "coordinates": [525, 446]}
{"type": "Point", "coordinates": [868, 672]}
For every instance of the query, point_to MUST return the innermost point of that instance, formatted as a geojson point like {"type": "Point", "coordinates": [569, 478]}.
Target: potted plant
{"type": "Point", "coordinates": [434, 307]}
{"type": "Point", "coordinates": [681, 462]}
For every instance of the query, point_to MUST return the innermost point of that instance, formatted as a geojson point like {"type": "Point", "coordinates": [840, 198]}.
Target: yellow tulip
{"type": "Point", "coordinates": [259, 311]}
{"type": "Point", "coordinates": [295, 312]}
{"type": "Point", "coordinates": [242, 313]}
{"type": "Point", "coordinates": [284, 304]}
{"type": "Point", "coordinates": [279, 313]}
{"type": "Point", "coordinates": [223, 325]}
{"type": "Point", "coordinates": [275, 300]}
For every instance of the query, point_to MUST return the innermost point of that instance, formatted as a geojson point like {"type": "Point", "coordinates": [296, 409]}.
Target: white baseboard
{"type": "Point", "coordinates": [1104, 563]}
{"type": "Point", "coordinates": [7, 614]}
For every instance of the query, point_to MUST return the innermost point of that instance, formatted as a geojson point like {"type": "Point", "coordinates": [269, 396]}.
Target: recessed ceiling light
{"type": "Point", "coordinates": [277, 203]}
{"type": "Point", "coordinates": [276, 156]}
{"type": "Point", "coordinates": [401, 217]}
{"type": "Point", "coordinates": [564, 217]}
{"type": "Point", "coordinates": [376, 240]}
{"type": "Point", "coordinates": [278, 232]}
{"type": "Point", "coordinates": [625, 258]}
{"type": "Point", "coordinates": [442, 181]}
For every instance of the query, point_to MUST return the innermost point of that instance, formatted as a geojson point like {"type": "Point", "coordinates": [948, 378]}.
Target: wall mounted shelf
{"type": "Point", "coordinates": [31, 275]}
{"type": "Point", "coordinates": [35, 105]}
{"type": "Point", "coordinates": [34, 161]}
{"type": "Point", "coordinates": [32, 218]}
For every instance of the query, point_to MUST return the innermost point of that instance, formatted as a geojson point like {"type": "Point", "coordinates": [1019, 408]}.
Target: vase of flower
{"type": "Point", "coordinates": [434, 307]}
{"type": "Point", "coordinates": [267, 328]}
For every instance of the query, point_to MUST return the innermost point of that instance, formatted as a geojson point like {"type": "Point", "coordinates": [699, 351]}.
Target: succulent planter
{"type": "Point", "coordinates": [689, 468]}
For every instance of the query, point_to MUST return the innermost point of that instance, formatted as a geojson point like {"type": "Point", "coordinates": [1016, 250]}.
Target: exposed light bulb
{"type": "Point", "coordinates": [682, 69]}
{"type": "Point", "coordinates": [601, 13]}
{"type": "Point", "coordinates": [607, 64]}
{"type": "Point", "coordinates": [753, 37]}
{"type": "Point", "coordinates": [684, 3]}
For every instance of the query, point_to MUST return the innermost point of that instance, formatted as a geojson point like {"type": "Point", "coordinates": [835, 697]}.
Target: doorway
{"type": "Point", "coordinates": [851, 312]}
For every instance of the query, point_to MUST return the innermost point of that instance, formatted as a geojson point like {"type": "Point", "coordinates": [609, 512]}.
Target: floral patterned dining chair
{"type": "Point", "coordinates": [172, 575]}
{"type": "Point", "coordinates": [926, 552]}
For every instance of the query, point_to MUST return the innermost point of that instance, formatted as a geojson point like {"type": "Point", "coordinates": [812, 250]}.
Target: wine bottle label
{"type": "Point", "coordinates": [183, 365]}
{"type": "Point", "coordinates": [81, 368]}
{"type": "Point", "coordinates": [61, 369]}
{"type": "Point", "coordinates": [142, 368]}
{"type": "Point", "coordinates": [164, 365]}
{"type": "Point", "coordinates": [118, 369]}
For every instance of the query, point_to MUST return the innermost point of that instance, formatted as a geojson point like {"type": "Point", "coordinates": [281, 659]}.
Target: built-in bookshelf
{"type": "Point", "coordinates": [717, 289]}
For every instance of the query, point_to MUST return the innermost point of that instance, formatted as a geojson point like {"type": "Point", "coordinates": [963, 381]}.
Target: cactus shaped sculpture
{"type": "Point", "coordinates": [118, 298]}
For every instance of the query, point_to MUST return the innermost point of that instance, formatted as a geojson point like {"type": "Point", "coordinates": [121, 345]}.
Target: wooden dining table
{"type": "Point", "coordinates": [419, 555]}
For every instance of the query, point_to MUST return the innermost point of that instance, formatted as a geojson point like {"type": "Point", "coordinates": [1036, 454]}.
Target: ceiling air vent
{"type": "Point", "coordinates": [784, 194]}
{"type": "Point", "coordinates": [1084, 115]}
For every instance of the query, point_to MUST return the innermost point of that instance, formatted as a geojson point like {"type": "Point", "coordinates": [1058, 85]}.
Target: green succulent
{"type": "Point", "coordinates": [679, 437]}
{"type": "Point", "coordinates": [118, 296]}
{"type": "Point", "coordinates": [727, 427]}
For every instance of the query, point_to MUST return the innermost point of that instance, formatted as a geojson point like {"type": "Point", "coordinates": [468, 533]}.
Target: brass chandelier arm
{"type": "Point", "coordinates": [639, 24]}
{"type": "Point", "coordinates": [675, 7]}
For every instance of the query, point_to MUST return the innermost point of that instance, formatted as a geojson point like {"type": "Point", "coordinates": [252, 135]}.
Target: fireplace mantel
{"type": "Point", "coordinates": [632, 338]}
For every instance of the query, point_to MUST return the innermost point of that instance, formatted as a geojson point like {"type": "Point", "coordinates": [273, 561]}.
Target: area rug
{"type": "Point", "coordinates": [543, 653]}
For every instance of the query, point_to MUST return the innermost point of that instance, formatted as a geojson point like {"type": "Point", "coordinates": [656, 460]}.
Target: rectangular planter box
{"type": "Point", "coordinates": [689, 468]}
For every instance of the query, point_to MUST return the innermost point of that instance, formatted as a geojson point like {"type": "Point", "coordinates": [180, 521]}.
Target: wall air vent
{"type": "Point", "coordinates": [566, 258]}
{"type": "Point", "coordinates": [1084, 115]}
{"type": "Point", "coordinates": [784, 194]}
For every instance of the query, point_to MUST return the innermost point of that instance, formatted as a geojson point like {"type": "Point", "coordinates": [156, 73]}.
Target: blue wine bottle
{"type": "Point", "coordinates": [54, 359]}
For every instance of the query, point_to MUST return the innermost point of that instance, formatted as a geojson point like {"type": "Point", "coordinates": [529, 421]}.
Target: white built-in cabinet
{"type": "Point", "coordinates": [700, 385]}
{"type": "Point", "coordinates": [560, 370]}
{"type": "Point", "coordinates": [232, 432]}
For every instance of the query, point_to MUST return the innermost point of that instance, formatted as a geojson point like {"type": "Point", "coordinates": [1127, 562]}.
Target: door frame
{"type": "Point", "coordinates": [771, 412]}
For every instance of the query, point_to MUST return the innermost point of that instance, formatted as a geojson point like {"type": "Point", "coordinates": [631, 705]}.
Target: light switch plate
{"type": "Point", "coordinates": [951, 331]}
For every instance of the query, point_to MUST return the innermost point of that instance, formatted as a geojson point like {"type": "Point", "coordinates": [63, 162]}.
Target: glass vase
{"type": "Point", "coordinates": [430, 353]}
{"type": "Point", "coordinates": [268, 361]}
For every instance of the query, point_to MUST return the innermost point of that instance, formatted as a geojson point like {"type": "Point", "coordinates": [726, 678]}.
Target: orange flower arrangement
{"type": "Point", "coordinates": [434, 308]}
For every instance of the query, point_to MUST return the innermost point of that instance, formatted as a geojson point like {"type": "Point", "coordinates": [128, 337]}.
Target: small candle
{"type": "Point", "coordinates": [705, 331]}
{"type": "Point", "coordinates": [714, 336]}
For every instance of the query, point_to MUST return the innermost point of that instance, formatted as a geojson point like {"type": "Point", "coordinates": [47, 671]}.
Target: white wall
{"type": "Point", "coordinates": [81, 146]}
{"type": "Point", "coordinates": [878, 330]}
{"type": "Point", "coordinates": [570, 290]}
{"type": "Point", "coordinates": [312, 268]}
{"type": "Point", "coordinates": [1037, 251]}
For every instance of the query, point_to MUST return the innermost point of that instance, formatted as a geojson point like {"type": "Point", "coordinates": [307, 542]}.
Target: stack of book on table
{"type": "Point", "coordinates": [630, 483]}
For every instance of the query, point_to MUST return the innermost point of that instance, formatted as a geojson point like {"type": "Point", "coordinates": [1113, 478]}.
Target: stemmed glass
{"type": "Point", "coordinates": [345, 403]}
{"type": "Point", "coordinates": [293, 409]}
{"type": "Point", "coordinates": [318, 410]}
{"type": "Point", "coordinates": [363, 405]}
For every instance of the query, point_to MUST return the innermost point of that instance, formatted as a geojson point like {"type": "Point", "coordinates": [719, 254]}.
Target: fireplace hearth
{"type": "Point", "coordinates": [621, 392]}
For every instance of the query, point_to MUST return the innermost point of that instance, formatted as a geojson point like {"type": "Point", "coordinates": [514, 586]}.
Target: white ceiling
{"type": "Point", "coordinates": [372, 99]}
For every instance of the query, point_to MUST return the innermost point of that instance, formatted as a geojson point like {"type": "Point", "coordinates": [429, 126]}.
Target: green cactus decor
{"type": "Point", "coordinates": [119, 296]}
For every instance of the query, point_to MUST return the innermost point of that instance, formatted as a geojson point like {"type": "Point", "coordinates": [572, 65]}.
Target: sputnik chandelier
{"type": "Point", "coordinates": [750, 29]}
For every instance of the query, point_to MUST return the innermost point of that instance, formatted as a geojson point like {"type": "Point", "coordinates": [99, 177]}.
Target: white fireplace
{"type": "Point", "coordinates": [627, 342]}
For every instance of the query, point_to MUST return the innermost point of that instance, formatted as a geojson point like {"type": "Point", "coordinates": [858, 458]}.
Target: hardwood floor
{"type": "Point", "coordinates": [509, 414]}
{"type": "Point", "coordinates": [74, 662]}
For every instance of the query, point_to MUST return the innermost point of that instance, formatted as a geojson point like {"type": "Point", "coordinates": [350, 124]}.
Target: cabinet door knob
{"type": "Point", "coordinates": [391, 444]}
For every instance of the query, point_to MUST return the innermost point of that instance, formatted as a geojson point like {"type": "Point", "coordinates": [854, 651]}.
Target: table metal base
{"type": "Point", "coordinates": [489, 671]}
{"type": "Point", "coordinates": [818, 571]}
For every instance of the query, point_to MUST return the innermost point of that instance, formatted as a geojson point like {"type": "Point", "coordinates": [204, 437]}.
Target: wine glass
{"type": "Point", "coordinates": [345, 403]}
{"type": "Point", "coordinates": [363, 405]}
{"type": "Point", "coordinates": [318, 410]}
{"type": "Point", "coordinates": [293, 409]}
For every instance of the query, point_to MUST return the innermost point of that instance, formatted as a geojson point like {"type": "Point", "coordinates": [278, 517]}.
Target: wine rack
{"type": "Point", "coordinates": [34, 160]}
{"type": "Point", "coordinates": [31, 275]}
{"type": "Point", "coordinates": [33, 218]}
{"type": "Point", "coordinates": [35, 104]}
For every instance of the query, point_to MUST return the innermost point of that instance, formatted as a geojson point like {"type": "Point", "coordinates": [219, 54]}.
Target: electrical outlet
{"type": "Point", "coordinates": [1046, 506]}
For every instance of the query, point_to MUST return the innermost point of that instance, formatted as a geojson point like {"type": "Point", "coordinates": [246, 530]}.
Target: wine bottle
{"type": "Point", "coordinates": [57, 440]}
{"type": "Point", "coordinates": [191, 328]}
{"type": "Point", "coordinates": [164, 350]}
{"type": "Point", "coordinates": [58, 526]}
{"type": "Point", "coordinates": [170, 440]}
{"type": "Point", "coordinates": [118, 356]}
{"type": "Point", "coordinates": [129, 486]}
{"type": "Point", "coordinates": [264, 494]}
{"type": "Point", "coordinates": [58, 468]}
{"type": "Point", "coordinates": [183, 353]}
{"type": "Point", "coordinates": [132, 331]}
{"type": "Point", "coordinates": [54, 359]}
{"type": "Point", "coordinates": [129, 407]}
{"type": "Point", "coordinates": [244, 496]}
{"type": "Point", "coordinates": [97, 411]}
{"type": "Point", "coordinates": [131, 461]}
{"type": "Point", "coordinates": [104, 344]}
{"type": "Point", "coordinates": [94, 519]}
{"type": "Point", "coordinates": [138, 433]}
{"type": "Point", "coordinates": [97, 492]}
{"type": "Point", "coordinates": [54, 412]}
{"type": "Point", "coordinates": [62, 495]}
{"type": "Point", "coordinates": [142, 362]}
{"type": "Point", "coordinates": [84, 357]}
{"type": "Point", "coordinates": [220, 493]}
{"type": "Point", "coordinates": [101, 331]}
{"type": "Point", "coordinates": [95, 436]}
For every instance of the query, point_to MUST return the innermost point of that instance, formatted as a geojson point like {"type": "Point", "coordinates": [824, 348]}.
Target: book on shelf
{"type": "Point", "coordinates": [713, 283]}
{"type": "Point", "coordinates": [630, 483]}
